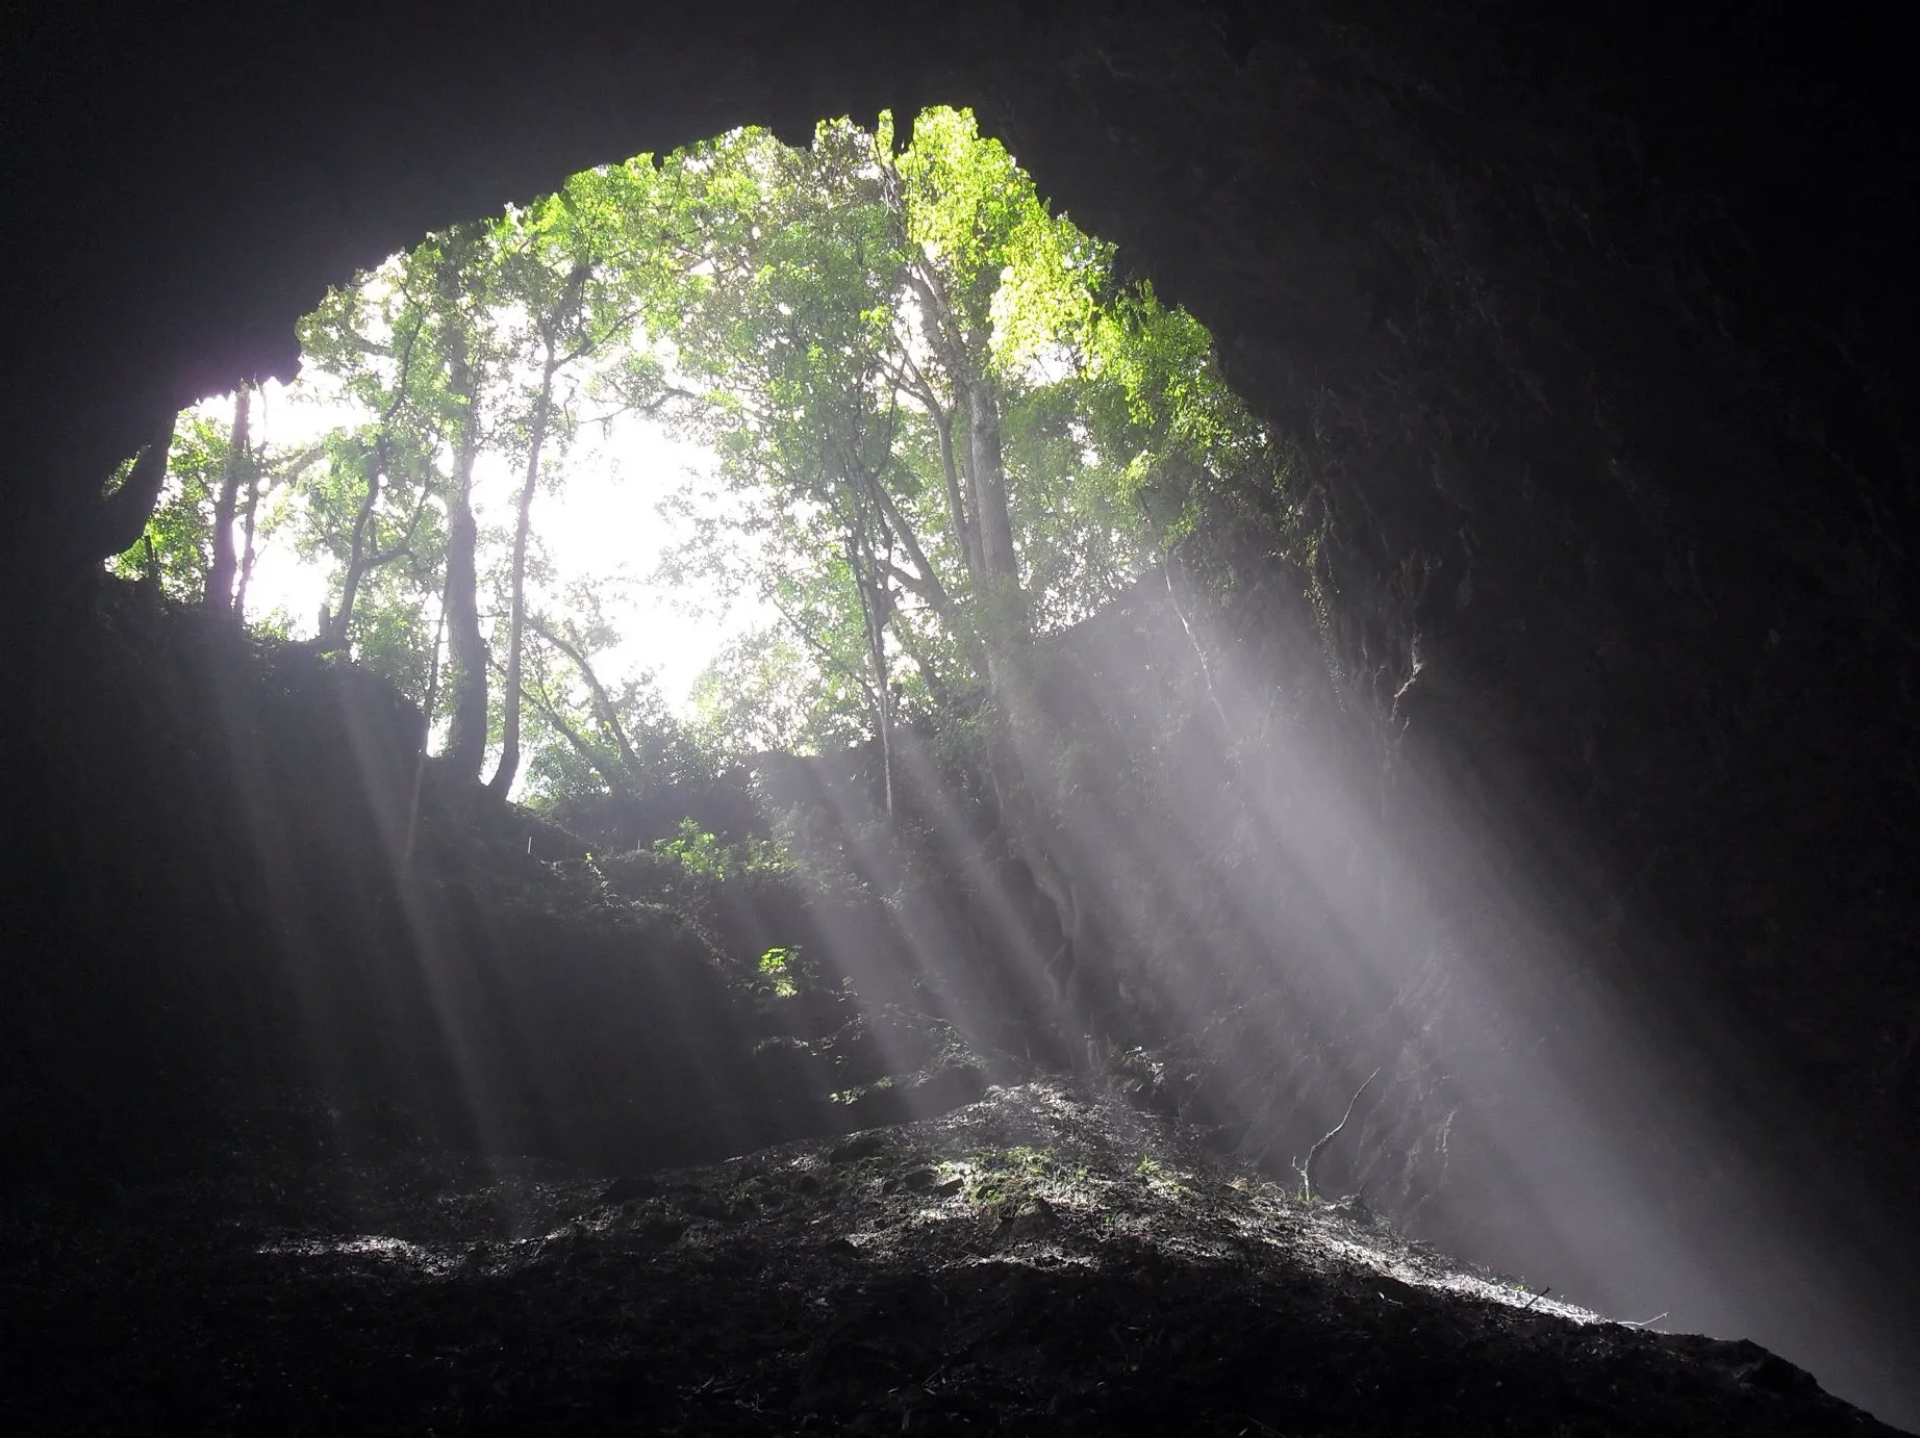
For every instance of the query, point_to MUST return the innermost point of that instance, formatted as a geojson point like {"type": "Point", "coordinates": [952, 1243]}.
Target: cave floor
{"type": "Point", "coordinates": [1045, 1260]}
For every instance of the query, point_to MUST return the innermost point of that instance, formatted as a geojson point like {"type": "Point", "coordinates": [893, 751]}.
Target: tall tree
{"type": "Point", "coordinates": [844, 300]}
{"type": "Point", "coordinates": [369, 508]}
{"type": "Point", "coordinates": [461, 288]}
{"type": "Point", "coordinates": [215, 477]}
{"type": "Point", "coordinates": [250, 529]}
{"type": "Point", "coordinates": [942, 431]}
{"type": "Point", "coordinates": [554, 266]}
{"type": "Point", "coordinates": [907, 349]}
{"type": "Point", "coordinates": [782, 318]}
{"type": "Point", "coordinates": [223, 572]}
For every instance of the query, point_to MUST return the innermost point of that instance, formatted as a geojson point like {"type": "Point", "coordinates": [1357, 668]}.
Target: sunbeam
{"type": "Point", "coordinates": [766, 733]}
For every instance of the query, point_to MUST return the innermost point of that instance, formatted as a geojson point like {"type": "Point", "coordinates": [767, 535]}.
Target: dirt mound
{"type": "Point", "coordinates": [1046, 1259]}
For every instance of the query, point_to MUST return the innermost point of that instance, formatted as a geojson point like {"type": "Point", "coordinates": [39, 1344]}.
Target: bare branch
{"type": "Point", "coordinates": [1306, 1169]}
{"type": "Point", "coordinates": [603, 705]}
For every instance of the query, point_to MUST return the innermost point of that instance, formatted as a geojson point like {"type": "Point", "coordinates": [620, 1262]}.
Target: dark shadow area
{"type": "Point", "coordinates": [1552, 760]}
{"type": "Point", "coordinates": [1038, 1261]}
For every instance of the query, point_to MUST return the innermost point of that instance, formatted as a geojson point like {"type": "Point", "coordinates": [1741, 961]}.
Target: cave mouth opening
{"type": "Point", "coordinates": [952, 474]}
{"type": "Point", "coordinates": [750, 442]}
{"type": "Point", "coordinates": [1322, 911]}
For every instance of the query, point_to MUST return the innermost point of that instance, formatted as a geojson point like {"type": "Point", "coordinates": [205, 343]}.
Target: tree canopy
{"type": "Point", "coordinates": [941, 428]}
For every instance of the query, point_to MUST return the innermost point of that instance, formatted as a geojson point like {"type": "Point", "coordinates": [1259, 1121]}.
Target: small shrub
{"type": "Point", "coordinates": [780, 967]}
{"type": "Point", "coordinates": [706, 855]}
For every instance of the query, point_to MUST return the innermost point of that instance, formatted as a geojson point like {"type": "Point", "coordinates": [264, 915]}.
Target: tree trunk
{"type": "Point", "coordinates": [871, 584]}
{"type": "Point", "coordinates": [1016, 758]}
{"type": "Point", "coordinates": [220, 573]}
{"type": "Point", "coordinates": [510, 696]}
{"type": "Point", "coordinates": [466, 650]}
{"type": "Point", "coordinates": [942, 333]}
{"type": "Point", "coordinates": [1019, 762]}
{"type": "Point", "coordinates": [247, 556]}
{"type": "Point", "coordinates": [961, 521]}
{"type": "Point", "coordinates": [420, 760]}
{"type": "Point", "coordinates": [335, 636]}
{"type": "Point", "coordinates": [999, 565]}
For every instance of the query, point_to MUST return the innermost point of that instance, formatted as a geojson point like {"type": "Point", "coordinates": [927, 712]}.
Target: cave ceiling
{"type": "Point", "coordinates": [1587, 327]}
{"type": "Point", "coordinates": [186, 183]}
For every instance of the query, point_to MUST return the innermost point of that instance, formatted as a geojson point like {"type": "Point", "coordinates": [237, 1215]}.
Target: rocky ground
{"type": "Point", "coordinates": [1044, 1260]}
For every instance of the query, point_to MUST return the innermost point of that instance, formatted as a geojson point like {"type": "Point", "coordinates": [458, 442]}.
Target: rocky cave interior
{"type": "Point", "coordinates": [1592, 334]}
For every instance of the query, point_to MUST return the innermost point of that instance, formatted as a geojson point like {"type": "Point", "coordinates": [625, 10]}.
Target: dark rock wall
{"type": "Point", "coordinates": [1589, 331]}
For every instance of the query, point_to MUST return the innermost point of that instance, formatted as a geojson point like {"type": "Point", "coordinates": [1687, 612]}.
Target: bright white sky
{"type": "Point", "coordinates": [603, 528]}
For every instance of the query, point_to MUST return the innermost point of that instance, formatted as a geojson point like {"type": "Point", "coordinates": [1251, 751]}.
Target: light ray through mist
{"type": "Point", "coordinates": [1444, 961]}
{"type": "Point", "coordinates": [604, 528]}
{"type": "Point", "coordinates": [1280, 890]}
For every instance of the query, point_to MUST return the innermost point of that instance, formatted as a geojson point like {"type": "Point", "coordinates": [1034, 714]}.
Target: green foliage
{"type": "Point", "coordinates": [178, 541]}
{"type": "Point", "coordinates": [1156, 393]}
{"type": "Point", "coordinates": [780, 967]}
{"type": "Point", "coordinates": [841, 303]}
{"type": "Point", "coordinates": [1007, 1178]}
{"type": "Point", "coordinates": [176, 549]}
{"type": "Point", "coordinates": [393, 637]}
{"type": "Point", "coordinates": [372, 508]}
{"type": "Point", "coordinates": [763, 694]}
{"type": "Point", "coordinates": [826, 321]}
{"type": "Point", "coordinates": [595, 736]}
{"type": "Point", "coordinates": [707, 856]}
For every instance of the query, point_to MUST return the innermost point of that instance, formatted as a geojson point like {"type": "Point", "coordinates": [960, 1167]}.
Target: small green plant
{"type": "Point", "coordinates": [1158, 1176]}
{"type": "Point", "coordinates": [698, 851]}
{"type": "Point", "coordinates": [1011, 1176]}
{"type": "Point", "coordinates": [705, 854]}
{"type": "Point", "coordinates": [780, 967]}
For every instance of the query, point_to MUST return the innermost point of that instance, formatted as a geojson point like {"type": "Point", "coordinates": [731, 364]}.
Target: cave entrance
{"type": "Point", "coordinates": [1326, 882]}
{"type": "Point", "coordinates": [739, 449]}
{"type": "Point", "coordinates": [1005, 698]}
{"type": "Point", "coordinates": [806, 515]}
